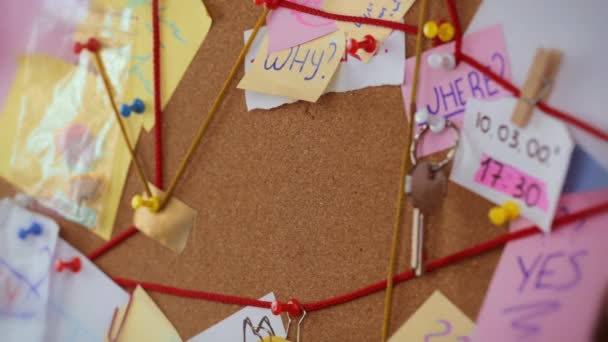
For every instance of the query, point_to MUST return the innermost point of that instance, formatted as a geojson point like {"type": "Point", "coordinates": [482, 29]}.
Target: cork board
{"type": "Point", "coordinates": [299, 200]}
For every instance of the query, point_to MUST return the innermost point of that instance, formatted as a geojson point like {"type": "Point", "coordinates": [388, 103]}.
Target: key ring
{"type": "Point", "coordinates": [440, 165]}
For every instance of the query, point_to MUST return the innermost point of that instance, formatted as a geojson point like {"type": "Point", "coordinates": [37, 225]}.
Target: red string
{"type": "Point", "coordinates": [112, 243]}
{"type": "Point", "coordinates": [459, 56]}
{"type": "Point", "coordinates": [457, 30]}
{"type": "Point", "coordinates": [158, 110]}
{"type": "Point", "coordinates": [479, 249]}
{"type": "Point", "coordinates": [158, 152]}
{"type": "Point", "coordinates": [556, 113]}
{"type": "Point", "coordinates": [349, 18]}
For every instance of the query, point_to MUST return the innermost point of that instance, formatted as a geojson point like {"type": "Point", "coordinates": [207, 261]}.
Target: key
{"type": "Point", "coordinates": [426, 187]}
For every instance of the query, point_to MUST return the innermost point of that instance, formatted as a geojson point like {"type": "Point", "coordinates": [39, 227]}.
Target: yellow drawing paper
{"type": "Point", "coordinates": [392, 10]}
{"type": "Point", "coordinates": [60, 143]}
{"type": "Point", "coordinates": [142, 320]}
{"type": "Point", "coordinates": [437, 320]}
{"type": "Point", "coordinates": [184, 24]}
{"type": "Point", "coordinates": [302, 72]}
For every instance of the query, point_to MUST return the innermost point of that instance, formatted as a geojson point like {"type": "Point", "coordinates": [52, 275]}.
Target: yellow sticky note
{"type": "Point", "coordinates": [184, 24]}
{"type": "Point", "coordinates": [437, 320]}
{"type": "Point", "coordinates": [302, 72]}
{"type": "Point", "coordinates": [392, 10]}
{"type": "Point", "coordinates": [58, 134]}
{"type": "Point", "coordinates": [171, 226]}
{"type": "Point", "coordinates": [141, 320]}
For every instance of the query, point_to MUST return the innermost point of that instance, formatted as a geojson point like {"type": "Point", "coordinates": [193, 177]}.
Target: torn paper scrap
{"type": "Point", "coordinates": [171, 226]}
{"type": "Point", "coordinates": [385, 69]}
{"type": "Point", "coordinates": [302, 72]}
{"type": "Point", "coordinates": [438, 318]}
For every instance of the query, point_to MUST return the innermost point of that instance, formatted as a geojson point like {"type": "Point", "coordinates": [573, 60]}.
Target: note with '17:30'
{"type": "Point", "coordinates": [501, 162]}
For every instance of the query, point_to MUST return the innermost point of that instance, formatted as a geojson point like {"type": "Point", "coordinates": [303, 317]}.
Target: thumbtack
{"type": "Point", "coordinates": [509, 211]}
{"type": "Point", "coordinates": [444, 31]}
{"type": "Point", "coordinates": [34, 229]}
{"type": "Point", "coordinates": [92, 45]}
{"type": "Point", "coordinates": [138, 107]}
{"type": "Point", "coordinates": [270, 4]}
{"type": "Point", "coordinates": [74, 265]}
{"type": "Point", "coordinates": [368, 44]}
{"type": "Point", "coordinates": [153, 204]}
{"type": "Point", "coordinates": [442, 60]}
{"type": "Point", "coordinates": [436, 123]}
{"type": "Point", "coordinates": [292, 307]}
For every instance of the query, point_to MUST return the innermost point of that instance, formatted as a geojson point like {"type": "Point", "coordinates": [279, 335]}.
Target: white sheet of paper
{"type": "Point", "coordinates": [387, 68]}
{"type": "Point", "coordinates": [573, 27]}
{"type": "Point", "coordinates": [540, 152]}
{"type": "Point", "coordinates": [231, 329]}
{"type": "Point", "coordinates": [24, 264]}
{"type": "Point", "coordinates": [81, 304]}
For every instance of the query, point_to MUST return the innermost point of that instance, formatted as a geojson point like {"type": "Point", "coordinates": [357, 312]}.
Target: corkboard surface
{"type": "Point", "coordinates": [299, 200]}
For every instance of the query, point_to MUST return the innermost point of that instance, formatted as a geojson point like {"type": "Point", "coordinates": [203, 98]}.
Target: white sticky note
{"type": "Point", "coordinates": [81, 305]}
{"type": "Point", "coordinates": [24, 265]}
{"type": "Point", "coordinates": [386, 68]}
{"type": "Point", "coordinates": [501, 162]}
{"type": "Point", "coordinates": [573, 27]}
{"type": "Point", "coordinates": [231, 329]}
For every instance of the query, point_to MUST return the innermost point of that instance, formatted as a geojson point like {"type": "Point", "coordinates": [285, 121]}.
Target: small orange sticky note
{"type": "Point", "coordinates": [171, 226]}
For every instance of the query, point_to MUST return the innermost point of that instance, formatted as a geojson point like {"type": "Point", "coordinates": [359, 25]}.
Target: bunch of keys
{"type": "Point", "coordinates": [426, 185]}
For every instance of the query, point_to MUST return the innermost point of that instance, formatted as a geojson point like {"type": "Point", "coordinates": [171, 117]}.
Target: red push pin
{"type": "Point", "coordinates": [92, 45]}
{"type": "Point", "coordinates": [270, 4]}
{"type": "Point", "coordinates": [368, 44]}
{"type": "Point", "coordinates": [74, 265]}
{"type": "Point", "coordinates": [292, 307]}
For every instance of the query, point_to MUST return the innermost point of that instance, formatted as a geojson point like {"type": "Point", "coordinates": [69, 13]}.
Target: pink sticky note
{"type": "Point", "coordinates": [511, 181]}
{"type": "Point", "coordinates": [445, 92]}
{"type": "Point", "coordinates": [549, 287]}
{"type": "Point", "coordinates": [288, 28]}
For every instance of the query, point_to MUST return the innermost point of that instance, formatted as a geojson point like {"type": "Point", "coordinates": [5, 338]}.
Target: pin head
{"type": "Point", "coordinates": [153, 204]}
{"type": "Point", "coordinates": [74, 265]}
{"type": "Point", "coordinates": [368, 44]}
{"type": "Point", "coordinates": [34, 229]}
{"type": "Point", "coordinates": [92, 45]}
{"type": "Point", "coordinates": [270, 4]}
{"type": "Point", "coordinates": [509, 211]}
{"type": "Point", "coordinates": [138, 107]}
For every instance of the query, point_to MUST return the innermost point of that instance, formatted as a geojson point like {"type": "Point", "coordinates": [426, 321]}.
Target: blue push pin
{"type": "Point", "coordinates": [138, 107]}
{"type": "Point", "coordinates": [34, 229]}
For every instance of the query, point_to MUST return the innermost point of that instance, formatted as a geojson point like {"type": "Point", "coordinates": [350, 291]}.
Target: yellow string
{"type": "Point", "coordinates": [214, 108]}
{"type": "Point", "coordinates": [106, 81]}
{"type": "Point", "coordinates": [388, 299]}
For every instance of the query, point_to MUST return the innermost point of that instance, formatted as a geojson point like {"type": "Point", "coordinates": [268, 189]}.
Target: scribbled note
{"type": "Point", "coordinates": [528, 165]}
{"type": "Point", "coordinates": [184, 24]}
{"type": "Point", "coordinates": [24, 264]}
{"type": "Point", "coordinates": [352, 74]}
{"type": "Point", "coordinates": [302, 72]}
{"type": "Point", "coordinates": [437, 320]}
{"type": "Point", "coordinates": [288, 28]}
{"type": "Point", "coordinates": [548, 287]}
{"type": "Point", "coordinates": [445, 92]}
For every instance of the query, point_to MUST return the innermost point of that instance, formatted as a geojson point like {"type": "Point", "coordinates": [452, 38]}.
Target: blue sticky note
{"type": "Point", "coordinates": [585, 173]}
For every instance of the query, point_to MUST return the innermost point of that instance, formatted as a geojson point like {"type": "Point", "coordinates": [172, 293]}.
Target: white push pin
{"type": "Point", "coordinates": [442, 60]}
{"type": "Point", "coordinates": [436, 123]}
{"type": "Point", "coordinates": [422, 116]}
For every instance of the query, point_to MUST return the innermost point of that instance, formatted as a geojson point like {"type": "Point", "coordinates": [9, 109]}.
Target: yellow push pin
{"type": "Point", "coordinates": [446, 32]}
{"type": "Point", "coordinates": [430, 29]}
{"type": "Point", "coordinates": [509, 211]}
{"type": "Point", "coordinates": [153, 204]}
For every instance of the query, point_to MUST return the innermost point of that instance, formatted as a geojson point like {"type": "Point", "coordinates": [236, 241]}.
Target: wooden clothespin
{"type": "Point", "coordinates": [541, 76]}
